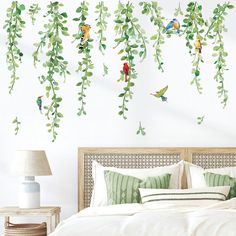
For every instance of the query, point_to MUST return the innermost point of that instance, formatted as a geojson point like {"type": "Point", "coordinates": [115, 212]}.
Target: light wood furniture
{"type": "Point", "coordinates": [145, 158]}
{"type": "Point", "coordinates": [48, 212]}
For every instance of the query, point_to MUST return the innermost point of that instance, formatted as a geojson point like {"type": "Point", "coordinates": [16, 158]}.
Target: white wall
{"type": "Point", "coordinates": [167, 124]}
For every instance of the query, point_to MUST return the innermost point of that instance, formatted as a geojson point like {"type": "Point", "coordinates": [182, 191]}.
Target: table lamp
{"type": "Point", "coordinates": [30, 163]}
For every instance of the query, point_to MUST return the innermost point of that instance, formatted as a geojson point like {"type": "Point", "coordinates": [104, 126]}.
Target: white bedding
{"type": "Point", "coordinates": [173, 218]}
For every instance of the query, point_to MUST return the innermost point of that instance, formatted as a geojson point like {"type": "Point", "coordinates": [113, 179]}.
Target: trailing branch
{"type": "Point", "coordinates": [101, 23]}
{"type": "Point", "coordinates": [194, 30]}
{"type": "Point", "coordinates": [14, 25]}
{"type": "Point", "coordinates": [84, 46]}
{"type": "Point", "coordinates": [215, 32]}
{"type": "Point", "coordinates": [132, 42]}
{"type": "Point", "coordinates": [154, 10]}
{"type": "Point", "coordinates": [33, 11]}
{"type": "Point", "coordinates": [55, 62]}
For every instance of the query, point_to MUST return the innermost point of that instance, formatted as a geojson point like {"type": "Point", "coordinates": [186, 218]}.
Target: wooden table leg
{"type": "Point", "coordinates": [57, 219]}
{"type": "Point", "coordinates": [7, 219]}
{"type": "Point", "coordinates": [49, 224]}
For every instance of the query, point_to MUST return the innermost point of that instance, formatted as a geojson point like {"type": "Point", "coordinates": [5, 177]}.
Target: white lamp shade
{"type": "Point", "coordinates": [31, 163]}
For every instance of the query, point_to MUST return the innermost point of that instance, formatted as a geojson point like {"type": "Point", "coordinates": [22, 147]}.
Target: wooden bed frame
{"type": "Point", "coordinates": [145, 158]}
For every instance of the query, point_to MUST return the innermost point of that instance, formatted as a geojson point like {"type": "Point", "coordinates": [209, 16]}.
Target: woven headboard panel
{"type": "Point", "coordinates": [145, 158]}
{"type": "Point", "coordinates": [212, 157]}
{"type": "Point", "coordinates": [122, 158]}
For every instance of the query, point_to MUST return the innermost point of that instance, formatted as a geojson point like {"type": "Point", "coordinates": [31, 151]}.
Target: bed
{"type": "Point", "coordinates": [162, 218]}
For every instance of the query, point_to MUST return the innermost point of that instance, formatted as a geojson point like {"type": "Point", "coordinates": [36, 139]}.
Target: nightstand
{"type": "Point", "coordinates": [48, 212]}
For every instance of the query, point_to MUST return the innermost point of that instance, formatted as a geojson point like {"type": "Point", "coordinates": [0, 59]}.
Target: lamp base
{"type": "Point", "coordinates": [29, 193]}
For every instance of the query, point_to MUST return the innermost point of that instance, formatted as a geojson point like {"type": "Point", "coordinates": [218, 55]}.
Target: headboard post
{"type": "Point", "coordinates": [81, 153]}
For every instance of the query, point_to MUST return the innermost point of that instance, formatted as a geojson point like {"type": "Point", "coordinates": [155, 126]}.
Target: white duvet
{"type": "Point", "coordinates": [204, 218]}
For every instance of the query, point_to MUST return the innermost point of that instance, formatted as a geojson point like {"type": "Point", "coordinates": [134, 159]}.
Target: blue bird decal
{"type": "Point", "coordinates": [173, 24]}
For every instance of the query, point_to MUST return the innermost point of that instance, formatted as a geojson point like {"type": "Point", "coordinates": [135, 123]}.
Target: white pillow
{"type": "Point", "coordinates": [195, 177]}
{"type": "Point", "coordinates": [207, 194]}
{"type": "Point", "coordinates": [99, 196]}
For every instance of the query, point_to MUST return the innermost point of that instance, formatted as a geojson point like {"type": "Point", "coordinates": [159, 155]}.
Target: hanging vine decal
{"type": "Point", "coordinates": [17, 123]}
{"type": "Point", "coordinates": [215, 32]}
{"type": "Point", "coordinates": [131, 39]}
{"type": "Point", "coordinates": [194, 30]}
{"type": "Point", "coordinates": [154, 10]}
{"type": "Point", "coordinates": [14, 25]}
{"type": "Point", "coordinates": [33, 11]}
{"type": "Point", "coordinates": [55, 63]}
{"type": "Point", "coordinates": [101, 23]}
{"type": "Point", "coordinates": [84, 46]}
{"type": "Point", "coordinates": [130, 43]}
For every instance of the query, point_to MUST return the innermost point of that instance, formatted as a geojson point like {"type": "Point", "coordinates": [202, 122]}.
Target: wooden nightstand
{"type": "Point", "coordinates": [48, 212]}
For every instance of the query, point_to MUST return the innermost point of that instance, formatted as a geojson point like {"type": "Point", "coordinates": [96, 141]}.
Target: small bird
{"type": "Point", "coordinates": [126, 71]}
{"type": "Point", "coordinates": [160, 94]}
{"type": "Point", "coordinates": [173, 24]}
{"type": "Point", "coordinates": [198, 45]}
{"type": "Point", "coordinates": [86, 35]}
{"type": "Point", "coordinates": [39, 103]}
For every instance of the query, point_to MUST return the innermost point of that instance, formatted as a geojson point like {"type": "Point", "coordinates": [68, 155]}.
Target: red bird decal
{"type": "Point", "coordinates": [126, 71]}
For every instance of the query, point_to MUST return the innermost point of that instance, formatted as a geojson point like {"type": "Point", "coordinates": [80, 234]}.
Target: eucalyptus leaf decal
{"type": "Point", "coordinates": [141, 130]}
{"type": "Point", "coordinates": [105, 70]}
{"type": "Point", "coordinates": [178, 11]}
{"type": "Point", "coordinates": [55, 63]}
{"type": "Point", "coordinates": [154, 10]}
{"type": "Point", "coordinates": [33, 11]}
{"type": "Point", "coordinates": [84, 46]}
{"type": "Point", "coordinates": [132, 42]}
{"type": "Point", "coordinates": [14, 25]}
{"type": "Point", "coordinates": [101, 23]}
{"type": "Point", "coordinates": [17, 123]}
{"type": "Point", "coordinates": [200, 119]}
{"type": "Point", "coordinates": [193, 31]}
{"type": "Point", "coordinates": [215, 32]}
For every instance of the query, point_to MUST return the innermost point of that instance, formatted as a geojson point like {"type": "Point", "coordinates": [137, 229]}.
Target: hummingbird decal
{"type": "Point", "coordinates": [126, 71]}
{"type": "Point", "coordinates": [39, 103]}
{"type": "Point", "coordinates": [160, 94]}
{"type": "Point", "coordinates": [173, 24]}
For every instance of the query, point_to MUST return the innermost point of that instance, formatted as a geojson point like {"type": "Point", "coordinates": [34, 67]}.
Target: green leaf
{"type": "Point", "coordinates": [64, 14]}
{"type": "Point", "coordinates": [197, 72]}
{"type": "Point", "coordinates": [154, 37]}
{"type": "Point", "coordinates": [230, 6]}
{"type": "Point", "coordinates": [22, 7]}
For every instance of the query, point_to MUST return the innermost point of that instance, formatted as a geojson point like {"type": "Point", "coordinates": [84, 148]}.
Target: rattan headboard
{"type": "Point", "coordinates": [144, 158]}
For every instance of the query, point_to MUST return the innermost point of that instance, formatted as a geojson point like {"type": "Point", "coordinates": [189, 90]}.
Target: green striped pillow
{"type": "Point", "coordinates": [213, 179]}
{"type": "Point", "coordinates": [124, 188]}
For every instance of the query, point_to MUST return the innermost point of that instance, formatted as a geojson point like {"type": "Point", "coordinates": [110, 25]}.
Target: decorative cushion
{"type": "Point", "coordinates": [195, 177]}
{"type": "Point", "coordinates": [99, 196]}
{"type": "Point", "coordinates": [221, 180]}
{"type": "Point", "coordinates": [197, 194]}
{"type": "Point", "coordinates": [124, 188]}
